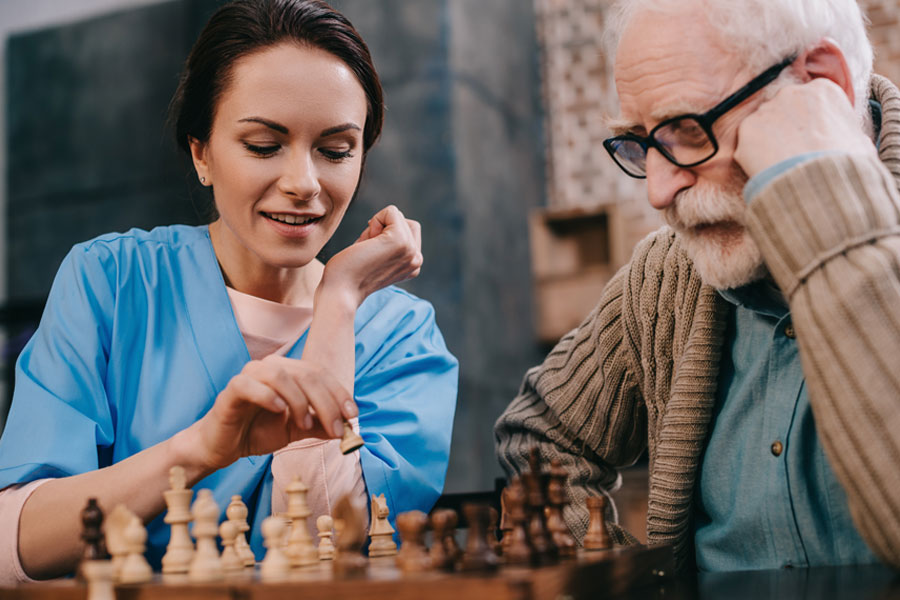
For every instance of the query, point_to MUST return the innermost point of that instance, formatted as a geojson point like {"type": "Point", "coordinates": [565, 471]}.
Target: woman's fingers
{"type": "Point", "coordinates": [274, 373]}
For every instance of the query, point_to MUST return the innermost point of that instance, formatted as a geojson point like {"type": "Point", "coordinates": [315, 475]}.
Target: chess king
{"type": "Point", "coordinates": [752, 345]}
{"type": "Point", "coordinates": [202, 346]}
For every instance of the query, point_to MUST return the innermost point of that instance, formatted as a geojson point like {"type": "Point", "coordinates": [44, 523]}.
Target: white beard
{"type": "Point", "coordinates": [710, 221]}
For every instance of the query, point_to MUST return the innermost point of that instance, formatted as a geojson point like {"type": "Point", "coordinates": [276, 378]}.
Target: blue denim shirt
{"type": "Point", "coordinates": [766, 495]}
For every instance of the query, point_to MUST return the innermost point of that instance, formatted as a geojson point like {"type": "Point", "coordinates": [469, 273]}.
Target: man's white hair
{"type": "Point", "coordinates": [764, 32]}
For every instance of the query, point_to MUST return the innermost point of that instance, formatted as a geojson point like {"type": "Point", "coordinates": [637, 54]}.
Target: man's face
{"type": "Point", "coordinates": [669, 65]}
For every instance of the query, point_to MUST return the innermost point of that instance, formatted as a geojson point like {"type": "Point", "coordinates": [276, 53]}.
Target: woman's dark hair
{"type": "Point", "coordinates": [242, 27]}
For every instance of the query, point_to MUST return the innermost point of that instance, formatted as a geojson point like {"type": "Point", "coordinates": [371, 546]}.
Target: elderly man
{"type": "Point", "coordinates": [753, 345]}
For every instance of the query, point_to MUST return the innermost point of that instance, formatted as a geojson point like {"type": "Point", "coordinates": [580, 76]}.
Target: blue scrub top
{"type": "Point", "coordinates": [137, 339]}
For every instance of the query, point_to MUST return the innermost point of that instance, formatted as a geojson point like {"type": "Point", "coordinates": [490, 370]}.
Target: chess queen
{"type": "Point", "coordinates": [217, 347]}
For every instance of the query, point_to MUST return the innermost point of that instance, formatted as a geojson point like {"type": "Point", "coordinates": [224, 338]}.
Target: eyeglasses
{"type": "Point", "coordinates": [686, 140]}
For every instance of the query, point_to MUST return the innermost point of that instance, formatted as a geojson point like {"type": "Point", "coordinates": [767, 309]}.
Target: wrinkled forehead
{"type": "Point", "coordinates": [669, 63]}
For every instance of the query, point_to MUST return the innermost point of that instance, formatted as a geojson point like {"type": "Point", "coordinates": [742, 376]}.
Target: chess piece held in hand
{"type": "Point", "coordinates": [381, 533]}
{"type": "Point", "coordinates": [597, 536]}
{"type": "Point", "coordinates": [350, 440]}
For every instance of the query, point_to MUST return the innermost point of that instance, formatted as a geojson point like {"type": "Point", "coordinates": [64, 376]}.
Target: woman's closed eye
{"type": "Point", "coordinates": [263, 149]}
{"type": "Point", "coordinates": [336, 155]}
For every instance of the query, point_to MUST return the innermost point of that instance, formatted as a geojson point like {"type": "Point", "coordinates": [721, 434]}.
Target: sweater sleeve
{"type": "Point", "coordinates": [582, 406]}
{"type": "Point", "coordinates": [829, 231]}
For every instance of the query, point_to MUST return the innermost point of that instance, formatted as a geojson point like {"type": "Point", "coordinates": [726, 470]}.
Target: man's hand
{"type": "Point", "coordinates": [801, 118]}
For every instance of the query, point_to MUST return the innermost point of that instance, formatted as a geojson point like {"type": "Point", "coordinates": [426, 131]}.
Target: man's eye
{"type": "Point", "coordinates": [262, 150]}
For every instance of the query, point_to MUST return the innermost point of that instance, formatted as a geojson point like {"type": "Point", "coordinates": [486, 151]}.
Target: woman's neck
{"type": "Point", "coordinates": [246, 273]}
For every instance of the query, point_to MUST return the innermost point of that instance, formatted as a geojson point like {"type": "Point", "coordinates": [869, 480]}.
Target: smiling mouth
{"type": "Point", "coordinates": [290, 219]}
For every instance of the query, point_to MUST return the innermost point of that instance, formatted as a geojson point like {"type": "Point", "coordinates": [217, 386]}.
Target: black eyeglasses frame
{"type": "Point", "coordinates": [705, 120]}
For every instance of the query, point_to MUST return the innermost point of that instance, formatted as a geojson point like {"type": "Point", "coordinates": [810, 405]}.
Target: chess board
{"type": "Point", "coordinates": [594, 575]}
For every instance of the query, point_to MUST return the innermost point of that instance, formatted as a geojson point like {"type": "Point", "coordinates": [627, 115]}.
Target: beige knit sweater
{"type": "Point", "coordinates": [641, 370]}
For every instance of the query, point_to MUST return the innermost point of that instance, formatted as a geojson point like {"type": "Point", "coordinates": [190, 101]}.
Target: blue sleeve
{"type": "Point", "coordinates": [60, 421]}
{"type": "Point", "coordinates": [406, 384]}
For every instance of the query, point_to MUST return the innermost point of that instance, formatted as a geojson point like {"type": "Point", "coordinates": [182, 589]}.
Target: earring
{"type": "Point", "coordinates": [203, 180]}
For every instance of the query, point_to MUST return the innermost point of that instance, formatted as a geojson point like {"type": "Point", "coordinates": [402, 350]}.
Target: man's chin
{"type": "Point", "coordinates": [724, 263]}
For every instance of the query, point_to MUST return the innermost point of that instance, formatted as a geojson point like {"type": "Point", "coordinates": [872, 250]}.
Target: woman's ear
{"type": "Point", "coordinates": [826, 59]}
{"type": "Point", "coordinates": [201, 165]}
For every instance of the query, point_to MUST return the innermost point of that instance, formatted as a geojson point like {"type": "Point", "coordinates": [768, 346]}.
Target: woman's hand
{"type": "Point", "coordinates": [388, 251]}
{"type": "Point", "coordinates": [269, 404]}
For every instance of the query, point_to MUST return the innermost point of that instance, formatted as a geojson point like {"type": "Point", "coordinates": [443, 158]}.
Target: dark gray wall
{"type": "Point", "coordinates": [462, 152]}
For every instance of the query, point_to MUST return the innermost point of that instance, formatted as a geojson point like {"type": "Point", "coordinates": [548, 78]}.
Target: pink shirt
{"type": "Point", "coordinates": [268, 328]}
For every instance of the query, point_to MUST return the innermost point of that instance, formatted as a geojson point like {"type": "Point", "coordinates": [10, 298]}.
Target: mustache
{"type": "Point", "coordinates": [705, 204]}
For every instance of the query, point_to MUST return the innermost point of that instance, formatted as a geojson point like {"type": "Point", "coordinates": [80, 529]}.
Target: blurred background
{"type": "Point", "coordinates": [492, 140]}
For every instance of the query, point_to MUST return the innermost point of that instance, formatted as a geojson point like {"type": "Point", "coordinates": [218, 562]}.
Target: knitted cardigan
{"type": "Point", "coordinates": [642, 369]}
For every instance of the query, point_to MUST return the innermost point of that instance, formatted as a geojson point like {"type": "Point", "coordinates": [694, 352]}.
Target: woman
{"type": "Point", "coordinates": [214, 347]}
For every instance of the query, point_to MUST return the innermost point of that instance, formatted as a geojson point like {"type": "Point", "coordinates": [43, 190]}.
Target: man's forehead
{"type": "Point", "coordinates": [668, 65]}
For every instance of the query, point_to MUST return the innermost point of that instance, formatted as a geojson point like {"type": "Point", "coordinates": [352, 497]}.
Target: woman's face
{"type": "Point", "coordinates": [284, 154]}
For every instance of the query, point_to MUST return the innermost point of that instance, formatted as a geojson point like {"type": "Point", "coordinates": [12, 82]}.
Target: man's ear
{"type": "Point", "coordinates": [198, 155]}
{"type": "Point", "coordinates": [826, 59]}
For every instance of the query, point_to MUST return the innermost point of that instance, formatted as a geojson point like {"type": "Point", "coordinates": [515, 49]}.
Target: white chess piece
{"type": "Point", "coordinates": [231, 560]}
{"type": "Point", "coordinates": [301, 549]}
{"type": "Point", "coordinates": [178, 500]}
{"type": "Point", "coordinates": [114, 530]}
{"type": "Point", "coordinates": [381, 533]}
{"type": "Point", "coordinates": [206, 565]}
{"type": "Point", "coordinates": [275, 565]}
{"type": "Point", "coordinates": [100, 576]}
{"type": "Point", "coordinates": [135, 569]}
{"type": "Point", "coordinates": [326, 547]}
{"type": "Point", "coordinates": [237, 512]}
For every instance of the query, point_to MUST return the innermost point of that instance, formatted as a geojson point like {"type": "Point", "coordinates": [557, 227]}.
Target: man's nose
{"type": "Point", "coordinates": [665, 180]}
{"type": "Point", "coordinates": [300, 178]}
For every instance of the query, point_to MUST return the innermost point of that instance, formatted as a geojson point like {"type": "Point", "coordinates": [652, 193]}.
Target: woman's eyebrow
{"type": "Point", "coordinates": [339, 129]}
{"type": "Point", "coordinates": [270, 124]}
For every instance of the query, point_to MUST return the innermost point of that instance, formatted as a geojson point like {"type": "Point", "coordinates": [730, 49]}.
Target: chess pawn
{"type": "Point", "coordinates": [478, 555]}
{"type": "Point", "coordinates": [324, 525]}
{"type": "Point", "coordinates": [180, 550]}
{"type": "Point", "coordinates": [275, 566]}
{"type": "Point", "coordinates": [412, 557]}
{"type": "Point", "coordinates": [556, 497]}
{"type": "Point", "coordinates": [491, 534]}
{"type": "Point", "coordinates": [135, 569]}
{"type": "Point", "coordinates": [118, 520]}
{"type": "Point", "coordinates": [518, 549]}
{"type": "Point", "coordinates": [440, 525]}
{"type": "Point", "coordinates": [206, 566]}
{"type": "Point", "coordinates": [100, 576]}
{"type": "Point", "coordinates": [237, 512]}
{"type": "Point", "coordinates": [301, 549]}
{"type": "Point", "coordinates": [505, 522]}
{"type": "Point", "coordinates": [597, 537]}
{"type": "Point", "coordinates": [449, 540]}
{"type": "Point", "coordinates": [381, 533]}
{"type": "Point", "coordinates": [231, 560]}
{"type": "Point", "coordinates": [350, 440]}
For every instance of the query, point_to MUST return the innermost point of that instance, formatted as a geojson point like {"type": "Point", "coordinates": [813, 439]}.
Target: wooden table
{"type": "Point", "coordinates": [603, 574]}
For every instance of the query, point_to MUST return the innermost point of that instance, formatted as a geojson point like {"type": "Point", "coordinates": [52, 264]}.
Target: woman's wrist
{"type": "Point", "coordinates": [185, 449]}
{"type": "Point", "coordinates": [337, 296]}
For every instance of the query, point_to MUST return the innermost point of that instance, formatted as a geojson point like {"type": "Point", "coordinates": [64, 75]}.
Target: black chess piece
{"type": "Point", "coordinates": [440, 526]}
{"type": "Point", "coordinates": [517, 549]}
{"type": "Point", "coordinates": [545, 551]}
{"type": "Point", "coordinates": [597, 536]}
{"type": "Point", "coordinates": [92, 532]}
{"type": "Point", "coordinates": [412, 557]}
{"type": "Point", "coordinates": [557, 500]}
{"type": "Point", "coordinates": [478, 555]}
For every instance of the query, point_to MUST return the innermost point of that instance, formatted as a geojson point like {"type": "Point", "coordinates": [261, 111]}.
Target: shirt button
{"type": "Point", "coordinates": [789, 331]}
{"type": "Point", "coordinates": [777, 448]}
